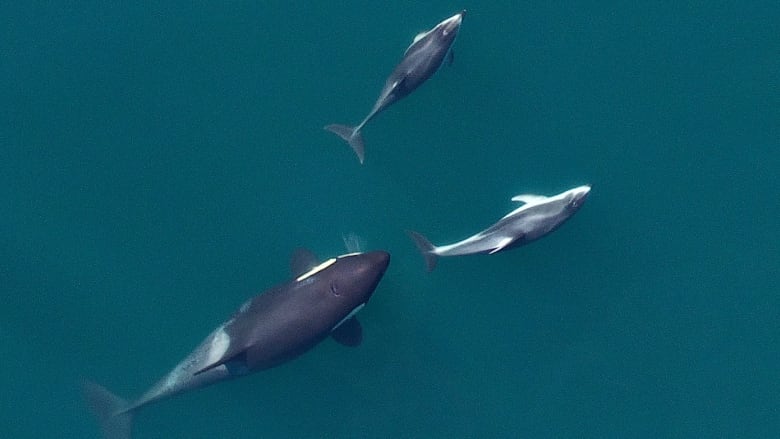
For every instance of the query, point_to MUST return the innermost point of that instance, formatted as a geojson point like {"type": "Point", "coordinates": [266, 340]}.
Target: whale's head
{"type": "Point", "coordinates": [340, 286]}
{"type": "Point", "coordinates": [354, 276]}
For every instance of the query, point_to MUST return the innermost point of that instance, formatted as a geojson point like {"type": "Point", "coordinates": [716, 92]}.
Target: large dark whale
{"type": "Point", "coordinates": [421, 60]}
{"type": "Point", "coordinates": [538, 216]}
{"type": "Point", "coordinates": [269, 329]}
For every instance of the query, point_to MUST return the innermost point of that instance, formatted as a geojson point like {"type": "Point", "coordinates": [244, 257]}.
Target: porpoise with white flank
{"type": "Point", "coordinates": [268, 330]}
{"type": "Point", "coordinates": [538, 216]}
{"type": "Point", "coordinates": [421, 60]}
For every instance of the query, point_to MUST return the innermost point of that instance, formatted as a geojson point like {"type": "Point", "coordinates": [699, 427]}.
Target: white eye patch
{"type": "Point", "coordinates": [316, 269]}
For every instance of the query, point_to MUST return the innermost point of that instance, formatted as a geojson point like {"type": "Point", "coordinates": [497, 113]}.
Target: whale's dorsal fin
{"type": "Point", "coordinates": [529, 198]}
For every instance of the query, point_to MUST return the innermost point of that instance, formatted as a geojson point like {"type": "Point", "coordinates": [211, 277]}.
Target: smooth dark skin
{"type": "Point", "coordinates": [268, 330]}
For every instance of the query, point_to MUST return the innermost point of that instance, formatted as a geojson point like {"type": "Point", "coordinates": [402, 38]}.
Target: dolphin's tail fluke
{"type": "Point", "coordinates": [426, 248]}
{"type": "Point", "coordinates": [114, 413]}
{"type": "Point", "coordinates": [351, 135]}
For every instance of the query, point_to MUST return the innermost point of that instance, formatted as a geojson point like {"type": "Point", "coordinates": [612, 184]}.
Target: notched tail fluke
{"type": "Point", "coordinates": [113, 413]}
{"type": "Point", "coordinates": [426, 248]}
{"type": "Point", "coordinates": [352, 136]}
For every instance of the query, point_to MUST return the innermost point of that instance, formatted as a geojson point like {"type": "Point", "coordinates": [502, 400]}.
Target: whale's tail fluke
{"type": "Point", "coordinates": [114, 414]}
{"type": "Point", "coordinates": [351, 135]}
{"type": "Point", "coordinates": [426, 248]}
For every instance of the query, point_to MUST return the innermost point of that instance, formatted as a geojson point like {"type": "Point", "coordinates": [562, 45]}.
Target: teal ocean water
{"type": "Point", "coordinates": [160, 162]}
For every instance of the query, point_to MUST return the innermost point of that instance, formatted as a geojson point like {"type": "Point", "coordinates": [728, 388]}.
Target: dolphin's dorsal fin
{"type": "Point", "coordinates": [502, 245]}
{"type": "Point", "coordinates": [302, 261]}
{"type": "Point", "coordinates": [349, 333]}
{"type": "Point", "coordinates": [529, 198]}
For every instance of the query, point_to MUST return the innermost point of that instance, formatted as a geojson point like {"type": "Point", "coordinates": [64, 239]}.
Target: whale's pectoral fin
{"type": "Point", "coordinates": [504, 243]}
{"type": "Point", "coordinates": [349, 333]}
{"type": "Point", "coordinates": [450, 57]}
{"type": "Point", "coordinates": [236, 364]}
{"type": "Point", "coordinates": [302, 261]}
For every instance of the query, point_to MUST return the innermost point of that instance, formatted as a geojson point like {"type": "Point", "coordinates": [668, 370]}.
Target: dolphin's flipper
{"type": "Point", "coordinates": [426, 248]}
{"type": "Point", "coordinates": [352, 136]}
{"type": "Point", "coordinates": [349, 333]}
{"type": "Point", "coordinates": [113, 413]}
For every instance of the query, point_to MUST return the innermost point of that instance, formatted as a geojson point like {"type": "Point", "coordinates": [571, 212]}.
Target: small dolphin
{"type": "Point", "coordinates": [421, 60]}
{"type": "Point", "coordinates": [268, 330]}
{"type": "Point", "coordinates": [538, 216]}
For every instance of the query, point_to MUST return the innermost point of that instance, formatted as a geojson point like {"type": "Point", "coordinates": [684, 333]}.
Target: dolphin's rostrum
{"type": "Point", "coordinates": [270, 329]}
{"type": "Point", "coordinates": [538, 216]}
{"type": "Point", "coordinates": [422, 59]}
